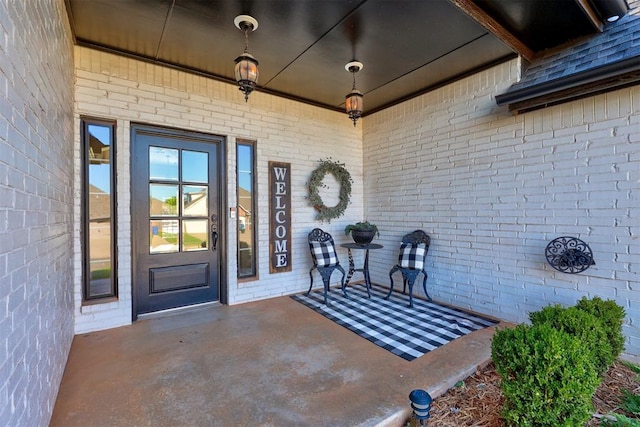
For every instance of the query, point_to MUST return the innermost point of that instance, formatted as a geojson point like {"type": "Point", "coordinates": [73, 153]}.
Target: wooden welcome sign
{"type": "Point", "coordinates": [279, 217]}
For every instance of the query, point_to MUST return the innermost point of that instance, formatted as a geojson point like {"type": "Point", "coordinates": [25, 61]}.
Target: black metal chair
{"type": "Point", "coordinates": [411, 261]}
{"type": "Point", "coordinates": [325, 259]}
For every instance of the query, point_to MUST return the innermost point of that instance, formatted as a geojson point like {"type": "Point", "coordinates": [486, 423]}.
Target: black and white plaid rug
{"type": "Point", "coordinates": [391, 324]}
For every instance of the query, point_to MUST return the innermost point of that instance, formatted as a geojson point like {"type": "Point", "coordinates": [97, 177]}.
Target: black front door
{"type": "Point", "coordinates": [175, 208]}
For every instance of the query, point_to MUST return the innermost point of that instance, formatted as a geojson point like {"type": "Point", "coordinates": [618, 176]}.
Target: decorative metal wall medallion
{"type": "Point", "coordinates": [569, 255]}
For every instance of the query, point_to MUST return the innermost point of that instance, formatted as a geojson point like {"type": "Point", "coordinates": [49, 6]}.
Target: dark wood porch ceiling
{"type": "Point", "coordinates": [407, 47]}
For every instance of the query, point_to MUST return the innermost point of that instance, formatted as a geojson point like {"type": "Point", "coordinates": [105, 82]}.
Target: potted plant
{"type": "Point", "coordinates": [362, 232]}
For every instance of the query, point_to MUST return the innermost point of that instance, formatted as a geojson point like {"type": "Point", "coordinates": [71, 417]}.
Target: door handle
{"type": "Point", "coordinates": [214, 240]}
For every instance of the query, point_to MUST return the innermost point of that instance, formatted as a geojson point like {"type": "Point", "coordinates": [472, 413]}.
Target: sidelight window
{"type": "Point", "coordinates": [98, 207]}
{"type": "Point", "coordinates": [246, 215]}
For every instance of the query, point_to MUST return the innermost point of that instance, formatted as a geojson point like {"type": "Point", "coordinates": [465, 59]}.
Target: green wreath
{"type": "Point", "coordinates": [343, 176]}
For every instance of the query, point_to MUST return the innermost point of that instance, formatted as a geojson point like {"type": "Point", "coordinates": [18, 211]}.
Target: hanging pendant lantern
{"type": "Point", "coordinates": [246, 70]}
{"type": "Point", "coordinates": [354, 100]}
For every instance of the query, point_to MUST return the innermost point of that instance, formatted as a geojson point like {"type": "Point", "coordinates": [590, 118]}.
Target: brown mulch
{"type": "Point", "coordinates": [477, 400]}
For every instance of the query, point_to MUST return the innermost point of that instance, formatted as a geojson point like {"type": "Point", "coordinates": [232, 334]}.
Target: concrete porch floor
{"type": "Point", "coordinates": [266, 363]}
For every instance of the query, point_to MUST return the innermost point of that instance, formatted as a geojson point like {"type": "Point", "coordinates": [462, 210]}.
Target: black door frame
{"type": "Point", "coordinates": [222, 206]}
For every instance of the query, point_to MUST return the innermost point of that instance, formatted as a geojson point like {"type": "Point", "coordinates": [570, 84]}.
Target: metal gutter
{"type": "Point", "coordinates": [572, 81]}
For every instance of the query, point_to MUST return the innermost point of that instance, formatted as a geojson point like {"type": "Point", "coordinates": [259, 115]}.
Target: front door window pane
{"type": "Point", "coordinates": [163, 200]}
{"type": "Point", "coordinates": [163, 163]}
{"type": "Point", "coordinates": [195, 166]}
{"type": "Point", "coordinates": [194, 201]}
{"type": "Point", "coordinates": [164, 235]}
{"type": "Point", "coordinates": [195, 235]}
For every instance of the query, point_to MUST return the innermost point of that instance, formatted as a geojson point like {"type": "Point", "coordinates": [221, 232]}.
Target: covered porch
{"type": "Point", "coordinates": [491, 143]}
{"type": "Point", "coordinates": [270, 363]}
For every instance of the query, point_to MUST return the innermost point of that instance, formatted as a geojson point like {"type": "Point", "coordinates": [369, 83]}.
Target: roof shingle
{"type": "Point", "coordinates": [619, 41]}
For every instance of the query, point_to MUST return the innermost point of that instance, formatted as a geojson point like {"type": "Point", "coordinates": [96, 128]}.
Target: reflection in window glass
{"type": "Point", "coordinates": [178, 203]}
{"type": "Point", "coordinates": [195, 234]}
{"type": "Point", "coordinates": [194, 201]}
{"type": "Point", "coordinates": [163, 200]}
{"type": "Point", "coordinates": [163, 163]}
{"type": "Point", "coordinates": [98, 208]}
{"type": "Point", "coordinates": [195, 166]}
{"type": "Point", "coordinates": [245, 209]}
{"type": "Point", "coordinates": [164, 236]}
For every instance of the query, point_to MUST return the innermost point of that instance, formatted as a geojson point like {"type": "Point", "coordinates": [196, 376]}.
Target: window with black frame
{"type": "Point", "coordinates": [98, 206]}
{"type": "Point", "coordinates": [246, 215]}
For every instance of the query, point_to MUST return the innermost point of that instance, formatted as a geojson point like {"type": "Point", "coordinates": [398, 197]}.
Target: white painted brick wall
{"type": "Point", "coordinates": [113, 87]}
{"type": "Point", "coordinates": [493, 189]}
{"type": "Point", "coordinates": [36, 178]}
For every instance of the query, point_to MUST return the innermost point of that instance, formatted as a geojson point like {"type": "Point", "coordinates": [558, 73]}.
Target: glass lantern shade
{"type": "Point", "coordinates": [246, 73]}
{"type": "Point", "coordinates": [353, 105]}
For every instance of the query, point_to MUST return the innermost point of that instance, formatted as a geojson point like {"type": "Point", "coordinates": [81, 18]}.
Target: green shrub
{"type": "Point", "coordinates": [611, 315]}
{"type": "Point", "coordinates": [630, 402]}
{"type": "Point", "coordinates": [547, 376]}
{"type": "Point", "coordinates": [632, 366]}
{"type": "Point", "coordinates": [621, 421]}
{"type": "Point", "coordinates": [582, 324]}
